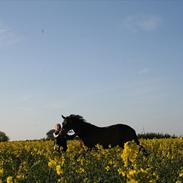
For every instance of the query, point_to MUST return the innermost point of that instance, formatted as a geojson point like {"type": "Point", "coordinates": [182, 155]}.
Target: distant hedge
{"type": "Point", "coordinates": [153, 135]}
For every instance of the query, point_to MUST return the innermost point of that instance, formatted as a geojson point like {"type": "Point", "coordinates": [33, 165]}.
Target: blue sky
{"type": "Point", "coordinates": [111, 62]}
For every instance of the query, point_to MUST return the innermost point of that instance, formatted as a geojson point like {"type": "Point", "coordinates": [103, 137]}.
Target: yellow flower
{"type": "Point", "coordinates": [107, 168]}
{"type": "Point", "coordinates": [98, 156]}
{"type": "Point", "coordinates": [81, 170]}
{"type": "Point", "coordinates": [181, 173]}
{"type": "Point", "coordinates": [132, 181]}
{"type": "Point", "coordinates": [52, 163]}
{"type": "Point", "coordinates": [121, 172]}
{"type": "Point", "coordinates": [131, 174]}
{"type": "Point", "coordinates": [1, 172]}
{"type": "Point", "coordinates": [9, 179]}
{"type": "Point", "coordinates": [178, 181]}
{"type": "Point", "coordinates": [110, 162]}
{"type": "Point", "coordinates": [20, 177]}
{"type": "Point", "coordinates": [130, 152]}
{"type": "Point", "coordinates": [86, 180]}
{"type": "Point", "coordinates": [99, 147]}
{"type": "Point", "coordinates": [61, 161]}
{"type": "Point", "coordinates": [59, 170]}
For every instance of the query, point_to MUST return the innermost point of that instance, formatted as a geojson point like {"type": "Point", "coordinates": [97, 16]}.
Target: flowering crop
{"type": "Point", "coordinates": [35, 161]}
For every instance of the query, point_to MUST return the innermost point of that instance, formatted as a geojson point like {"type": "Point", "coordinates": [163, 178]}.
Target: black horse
{"type": "Point", "coordinates": [91, 135]}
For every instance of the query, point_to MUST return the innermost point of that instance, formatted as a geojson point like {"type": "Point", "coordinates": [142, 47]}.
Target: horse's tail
{"type": "Point", "coordinates": [144, 151]}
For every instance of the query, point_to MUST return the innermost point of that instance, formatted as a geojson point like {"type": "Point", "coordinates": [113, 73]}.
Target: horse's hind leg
{"type": "Point", "coordinates": [141, 147]}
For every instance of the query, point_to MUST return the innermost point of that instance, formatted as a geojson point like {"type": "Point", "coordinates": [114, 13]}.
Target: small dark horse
{"type": "Point", "coordinates": [91, 135]}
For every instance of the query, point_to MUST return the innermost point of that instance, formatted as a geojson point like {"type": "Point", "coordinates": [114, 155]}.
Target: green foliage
{"type": "Point", "coordinates": [3, 137]}
{"type": "Point", "coordinates": [49, 134]}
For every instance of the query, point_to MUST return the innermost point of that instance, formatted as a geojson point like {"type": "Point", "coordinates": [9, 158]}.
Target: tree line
{"type": "Point", "coordinates": [3, 137]}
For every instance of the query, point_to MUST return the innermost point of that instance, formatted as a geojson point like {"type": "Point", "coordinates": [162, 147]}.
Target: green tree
{"type": "Point", "coordinates": [3, 137]}
{"type": "Point", "coordinates": [49, 134]}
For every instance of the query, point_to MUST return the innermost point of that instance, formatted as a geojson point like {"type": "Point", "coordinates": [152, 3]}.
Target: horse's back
{"type": "Point", "coordinates": [118, 134]}
{"type": "Point", "coordinates": [120, 128]}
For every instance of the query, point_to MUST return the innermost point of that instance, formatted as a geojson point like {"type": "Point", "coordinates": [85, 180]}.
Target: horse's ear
{"type": "Point", "coordinates": [63, 117]}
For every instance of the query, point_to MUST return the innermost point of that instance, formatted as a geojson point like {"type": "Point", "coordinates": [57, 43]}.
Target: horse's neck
{"type": "Point", "coordinates": [86, 129]}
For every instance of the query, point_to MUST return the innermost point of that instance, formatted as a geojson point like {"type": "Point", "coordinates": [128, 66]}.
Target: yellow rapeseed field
{"type": "Point", "coordinates": [35, 161]}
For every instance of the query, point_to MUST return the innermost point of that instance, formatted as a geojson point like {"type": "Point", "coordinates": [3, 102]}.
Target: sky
{"type": "Point", "coordinates": [108, 61]}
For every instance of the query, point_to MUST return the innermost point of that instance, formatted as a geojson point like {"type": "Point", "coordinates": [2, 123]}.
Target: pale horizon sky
{"type": "Point", "coordinates": [109, 61]}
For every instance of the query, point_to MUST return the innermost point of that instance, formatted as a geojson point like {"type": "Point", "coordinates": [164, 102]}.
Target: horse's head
{"type": "Point", "coordinates": [72, 122]}
{"type": "Point", "coordinates": [66, 124]}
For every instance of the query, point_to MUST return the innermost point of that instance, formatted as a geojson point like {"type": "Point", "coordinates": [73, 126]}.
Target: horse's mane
{"type": "Point", "coordinates": [80, 120]}
{"type": "Point", "coordinates": [77, 118]}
